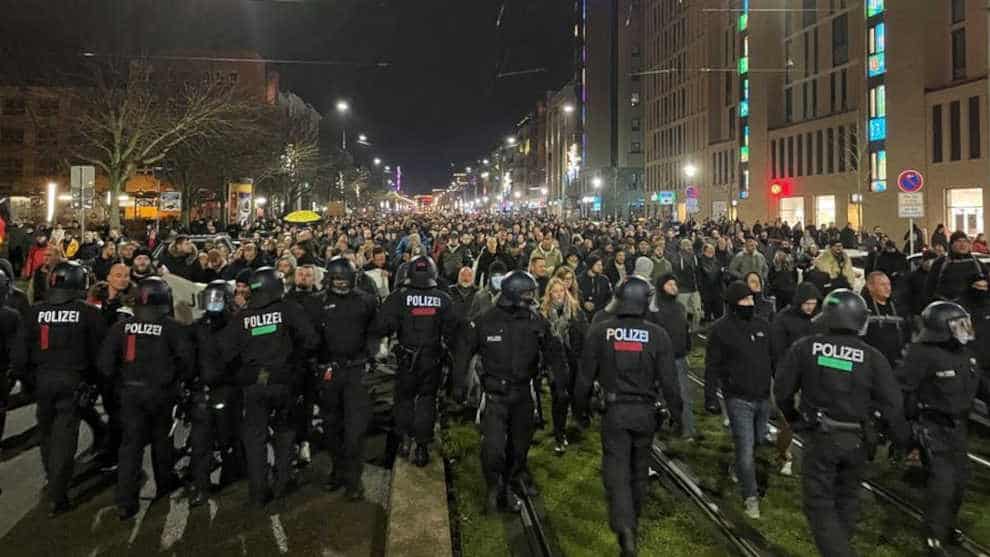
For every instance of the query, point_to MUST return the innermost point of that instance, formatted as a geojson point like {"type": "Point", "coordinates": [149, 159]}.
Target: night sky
{"type": "Point", "coordinates": [438, 101]}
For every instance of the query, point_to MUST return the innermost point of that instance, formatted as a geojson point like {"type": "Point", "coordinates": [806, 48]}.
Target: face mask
{"type": "Point", "coordinates": [496, 282]}
{"type": "Point", "coordinates": [744, 312]}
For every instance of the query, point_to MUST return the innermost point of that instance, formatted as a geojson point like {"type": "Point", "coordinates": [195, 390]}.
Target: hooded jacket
{"type": "Point", "coordinates": [666, 312]}
{"type": "Point", "coordinates": [791, 323]}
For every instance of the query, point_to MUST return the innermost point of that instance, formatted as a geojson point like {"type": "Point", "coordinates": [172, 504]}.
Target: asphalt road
{"type": "Point", "coordinates": [307, 522]}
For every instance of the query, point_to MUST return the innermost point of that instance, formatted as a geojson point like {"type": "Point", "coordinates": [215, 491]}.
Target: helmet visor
{"type": "Point", "coordinates": [962, 329]}
{"type": "Point", "coordinates": [214, 300]}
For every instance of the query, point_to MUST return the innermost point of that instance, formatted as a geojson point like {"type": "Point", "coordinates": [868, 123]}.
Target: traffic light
{"type": "Point", "coordinates": [779, 188]}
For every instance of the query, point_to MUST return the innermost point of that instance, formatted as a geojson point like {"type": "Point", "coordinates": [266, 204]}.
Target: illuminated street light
{"type": "Point", "coordinates": [377, 161]}
{"type": "Point", "coordinates": [543, 191]}
{"type": "Point", "coordinates": [388, 168]}
{"type": "Point", "coordinates": [568, 108]}
{"type": "Point", "coordinates": [52, 189]}
{"type": "Point", "coordinates": [597, 182]}
{"type": "Point", "coordinates": [690, 170]}
{"type": "Point", "coordinates": [363, 138]}
{"type": "Point", "coordinates": [485, 162]}
{"type": "Point", "coordinates": [343, 106]}
{"type": "Point", "coordinates": [517, 195]}
{"type": "Point", "coordinates": [485, 175]}
{"type": "Point", "coordinates": [468, 169]}
{"type": "Point", "coordinates": [511, 140]}
{"type": "Point", "coordinates": [260, 202]}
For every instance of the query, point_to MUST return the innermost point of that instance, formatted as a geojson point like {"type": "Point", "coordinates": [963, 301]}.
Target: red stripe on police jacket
{"type": "Point", "coordinates": [627, 346]}
{"type": "Point", "coordinates": [43, 337]}
{"type": "Point", "coordinates": [420, 312]}
{"type": "Point", "coordinates": [130, 349]}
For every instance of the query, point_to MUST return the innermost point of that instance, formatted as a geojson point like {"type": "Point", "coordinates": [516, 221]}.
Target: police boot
{"type": "Point", "coordinates": [422, 456]}
{"type": "Point", "coordinates": [405, 447]}
{"type": "Point", "coordinates": [627, 542]}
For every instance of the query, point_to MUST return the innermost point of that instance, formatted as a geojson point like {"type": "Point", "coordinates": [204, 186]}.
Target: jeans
{"type": "Point", "coordinates": [748, 421]}
{"type": "Point", "coordinates": [687, 417]}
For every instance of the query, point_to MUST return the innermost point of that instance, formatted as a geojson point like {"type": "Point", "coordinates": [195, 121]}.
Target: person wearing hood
{"type": "Point", "coordinates": [35, 257]}
{"type": "Point", "coordinates": [888, 260]}
{"type": "Point", "coordinates": [914, 287]}
{"type": "Point", "coordinates": [710, 283]}
{"type": "Point", "coordinates": [766, 306]}
{"type": "Point", "coordinates": [643, 268]}
{"type": "Point", "coordinates": [791, 324]}
{"type": "Point", "coordinates": [549, 252]}
{"type": "Point", "coordinates": [739, 355]}
{"type": "Point", "coordinates": [666, 312]}
{"type": "Point", "coordinates": [595, 288]}
{"type": "Point", "coordinates": [947, 281]}
{"type": "Point", "coordinates": [142, 267]}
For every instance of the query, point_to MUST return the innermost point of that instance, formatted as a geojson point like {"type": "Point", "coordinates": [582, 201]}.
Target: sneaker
{"type": "Point", "coordinates": [725, 423]}
{"type": "Point", "coordinates": [753, 507]}
{"type": "Point", "coordinates": [305, 457]}
{"type": "Point", "coordinates": [561, 447]}
{"type": "Point", "coordinates": [785, 469]}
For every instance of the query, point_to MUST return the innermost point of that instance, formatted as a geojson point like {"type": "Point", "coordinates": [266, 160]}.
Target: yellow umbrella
{"type": "Point", "coordinates": [302, 217]}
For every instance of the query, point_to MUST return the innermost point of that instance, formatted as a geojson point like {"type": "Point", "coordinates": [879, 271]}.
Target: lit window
{"type": "Point", "coordinates": [878, 165]}
{"type": "Point", "coordinates": [878, 101]}
{"type": "Point", "coordinates": [745, 87]}
{"type": "Point", "coordinates": [746, 135]}
{"type": "Point", "coordinates": [744, 65]}
{"type": "Point", "coordinates": [743, 21]}
{"type": "Point", "coordinates": [877, 64]}
{"type": "Point", "coordinates": [874, 7]}
{"type": "Point", "coordinates": [743, 109]}
{"type": "Point", "coordinates": [878, 129]}
{"type": "Point", "coordinates": [744, 154]}
{"type": "Point", "coordinates": [878, 38]}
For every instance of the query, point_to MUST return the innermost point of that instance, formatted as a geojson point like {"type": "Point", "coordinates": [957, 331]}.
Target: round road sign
{"type": "Point", "coordinates": [910, 181]}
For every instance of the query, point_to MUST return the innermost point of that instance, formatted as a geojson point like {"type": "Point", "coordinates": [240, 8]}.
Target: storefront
{"type": "Point", "coordinates": [964, 210]}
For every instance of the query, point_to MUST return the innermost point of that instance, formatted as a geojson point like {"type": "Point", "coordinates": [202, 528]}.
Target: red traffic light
{"type": "Point", "coordinates": [778, 188]}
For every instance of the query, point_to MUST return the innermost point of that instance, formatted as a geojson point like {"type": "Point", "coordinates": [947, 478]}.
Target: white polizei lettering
{"type": "Point", "coordinates": [494, 338]}
{"type": "Point", "coordinates": [52, 316]}
{"type": "Point", "coordinates": [143, 329]}
{"type": "Point", "coordinates": [273, 318]}
{"type": "Point", "coordinates": [830, 350]}
{"type": "Point", "coordinates": [421, 301]}
{"type": "Point", "coordinates": [628, 335]}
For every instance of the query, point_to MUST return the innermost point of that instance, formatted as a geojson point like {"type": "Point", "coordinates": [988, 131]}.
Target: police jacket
{"type": "Point", "coordinates": [347, 326]}
{"type": "Point", "coordinates": [511, 344]}
{"type": "Point", "coordinates": [940, 379]}
{"type": "Point", "coordinates": [421, 317]}
{"type": "Point", "coordinates": [888, 331]}
{"type": "Point", "coordinates": [150, 354]}
{"type": "Point", "coordinates": [633, 360]}
{"type": "Point", "coordinates": [738, 353]}
{"type": "Point", "coordinates": [59, 337]}
{"type": "Point", "coordinates": [267, 339]}
{"type": "Point", "coordinates": [841, 376]}
{"type": "Point", "coordinates": [211, 369]}
{"type": "Point", "coordinates": [18, 300]}
{"type": "Point", "coordinates": [666, 312]}
{"type": "Point", "coordinates": [311, 302]}
{"type": "Point", "coordinates": [790, 325]}
{"type": "Point", "coordinates": [10, 323]}
{"type": "Point", "coordinates": [978, 306]}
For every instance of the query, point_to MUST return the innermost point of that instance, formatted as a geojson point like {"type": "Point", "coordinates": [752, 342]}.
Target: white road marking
{"type": "Point", "coordinates": [98, 517]}
{"type": "Point", "coordinates": [281, 539]}
{"type": "Point", "coordinates": [175, 522]}
{"type": "Point", "coordinates": [214, 507]}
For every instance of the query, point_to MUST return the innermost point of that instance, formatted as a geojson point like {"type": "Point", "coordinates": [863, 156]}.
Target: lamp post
{"type": "Point", "coordinates": [343, 107]}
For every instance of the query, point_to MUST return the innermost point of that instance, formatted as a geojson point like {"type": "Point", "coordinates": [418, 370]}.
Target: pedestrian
{"type": "Point", "coordinates": [265, 336]}
{"type": "Point", "coordinates": [149, 356]}
{"type": "Point", "coordinates": [10, 322]}
{"type": "Point", "coordinates": [568, 324]}
{"type": "Point", "coordinates": [710, 284]}
{"type": "Point", "coordinates": [766, 306]}
{"type": "Point", "coordinates": [669, 314]}
{"type": "Point", "coordinates": [738, 353]}
{"type": "Point", "coordinates": [685, 268]}
{"type": "Point", "coordinates": [949, 274]}
{"type": "Point", "coordinates": [511, 339]}
{"type": "Point", "coordinates": [941, 377]}
{"type": "Point", "coordinates": [630, 357]}
{"type": "Point", "coordinates": [841, 379]}
{"type": "Point", "coordinates": [888, 331]}
{"type": "Point", "coordinates": [422, 317]}
{"type": "Point", "coordinates": [55, 354]}
{"type": "Point", "coordinates": [345, 404]}
{"type": "Point", "coordinates": [595, 287]}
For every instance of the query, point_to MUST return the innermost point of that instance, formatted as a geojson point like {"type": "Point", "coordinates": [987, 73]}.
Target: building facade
{"type": "Point", "coordinates": [809, 110]}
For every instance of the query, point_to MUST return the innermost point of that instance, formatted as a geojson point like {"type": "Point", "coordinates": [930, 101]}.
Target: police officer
{"type": "Point", "coordinates": [349, 339]}
{"type": "Point", "coordinates": [217, 399]}
{"type": "Point", "coordinates": [9, 324]}
{"type": "Point", "coordinates": [511, 339]}
{"type": "Point", "coordinates": [57, 352]}
{"type": "Point", "coordinates": [630, 357]}
{"type": "Point", "coordinates": [264, 336]}
{"type": "Point", "coordinates": [147, 356]}
{"type": "Point", "coordinates": [940, 378]}
{"type": "Point", "coordinates": [976, 302]}
{"type": "Point", "coordinates": [840, 378]}
{"type": "Point", "coordinates": [423, 316]}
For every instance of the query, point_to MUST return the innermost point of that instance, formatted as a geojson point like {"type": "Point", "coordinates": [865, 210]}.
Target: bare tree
{"type": "Point", "coordinates": [857, 154]}
{"type": "Point", "coordinates": [130, 119]}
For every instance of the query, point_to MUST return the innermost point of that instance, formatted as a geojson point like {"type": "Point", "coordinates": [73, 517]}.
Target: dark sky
{"type": "Point", "coordinates": [438, 101]}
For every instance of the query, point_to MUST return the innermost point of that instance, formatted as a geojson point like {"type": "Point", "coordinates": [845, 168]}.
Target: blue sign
{"type": "Point", "coordinates": [910, 181]}
{"type": "Point", "coordinates": [666, 197]}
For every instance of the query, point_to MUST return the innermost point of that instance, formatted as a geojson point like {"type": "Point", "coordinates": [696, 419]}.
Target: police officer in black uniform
{"type": "Point", "coordinates": [349, 339]}
{"type": "Point", "coordinates": [423, 316]}
{"type": "Point", "coordinates": [216, 409]}
{"type": "Point", "coordinates": [940, 378]}
{"type": "Point", "coordinates": [976, 302]}
{"type": "Point", "coordinates": [841, 378]}
{"type": "Point", "coordinates": [9, 324]}
{"type": "Point", "coordinates": [265, 336]}
{"type": "Point", "coordinates": [57, 352]}
{"type": "Point", "coordinates": [511, 340]}
{"type": "Point", "coordinates": [633, 360]}
{"type": "Point", "coordinates": [147, 356]}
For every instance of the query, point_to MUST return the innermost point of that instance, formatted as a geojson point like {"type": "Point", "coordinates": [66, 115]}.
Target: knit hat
{"type": "Point", "coordinates": [644, 267]}
{"type": "Point", "coordinates": [142, 251]}
{"type": "Point", "coordinates": [736, 291]}
{"type": "Point", "coordinates": [592, 259]}
{"type": "Point", "coordinates": [958, 235]}
{"type": "Point", "coordinates": [497, 268]}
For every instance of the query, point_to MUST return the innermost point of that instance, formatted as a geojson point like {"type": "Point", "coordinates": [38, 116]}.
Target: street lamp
{"type": "Point", "coordinates": [517, 195]}
{"type": "Point", "coordinates": [690, 170]}
{"type": "Point", "coordinates": [377, 161]}
{"type": "Point", "coordinates": [468, 169]}
{"type": "Point", "coordinates": [343, 107]}
{"type": "Point", "coordinates": [485, 175]}
{"type": "Point", "coordinates": [597, 182]}
{"type": "Point", "coordinates": [485, 162]}
{"type": "Point", "coordinates": [543, 191]}
{"type": "Point", "coordinates": [52, 189]}
{"type": "Point", "coordinates": [511, 140]}
{"type": "Point", "coordinates": [363, 138]}
{"type": "Point", "coordinates": [568, 108]}
{"type": "Point", "coordinates": [260, 201]}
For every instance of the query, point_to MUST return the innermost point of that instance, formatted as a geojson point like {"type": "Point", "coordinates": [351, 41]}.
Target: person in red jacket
{"type": "Point", "coordinates": [35, 258]}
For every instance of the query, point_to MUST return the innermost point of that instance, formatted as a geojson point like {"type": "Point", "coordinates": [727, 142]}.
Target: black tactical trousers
{"type": "Point", "coordinates": [268, 406]}
{"type": "Point", "coordinates": [506, 430]}
{"type": "Point", "coordinates": [4, 400]}
{"type": "Point", "coordinates": [110, 397]}
{"type": "Point", "coordinates": [417, 383]}
{"type": "Point", "coordinates": [945, 460]}
{"type": "Point", "coordinates": [303, 418]}
{"type": "Point", "coordinates": [627, 439]}
{"type": "Point", "coordinates": [58, 422]}
{"type": "Point", "coordinates": [146, 417]}
{"type": "Point", "coordinates": [346, 410]}
{"type": "Point", "coordinates": [216, 425]}
{"type": "Point", "coordinates": [832, 466]}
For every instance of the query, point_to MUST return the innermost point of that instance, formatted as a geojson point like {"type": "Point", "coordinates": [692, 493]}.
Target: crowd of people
{"type": "Point", "coordinates": [493, 307]}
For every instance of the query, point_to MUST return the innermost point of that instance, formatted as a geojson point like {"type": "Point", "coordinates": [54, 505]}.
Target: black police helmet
{"type": "Point", "coordinates": [216, 297]}
{"type": "Point", "coordinates": [340, 268]}
{"type": "Point", "coordinates": [518, 290]}
{"type": "Point", "coordinates": [422, 273]}
{"type": "Point", "coordinates": [4, 286]}
{"type": "Point", "coordinates": [845, 310]}
{"type": "Point", "coordinates": [266, 287]}
{"type": "Point", "coordinates": [945, 321]}
{"type": "Point", "coordinates": [67, 281]}
{"type": "Point", "coordinates": [153, 299]}
{"type": "Point", "coordinates": [632, 297]}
